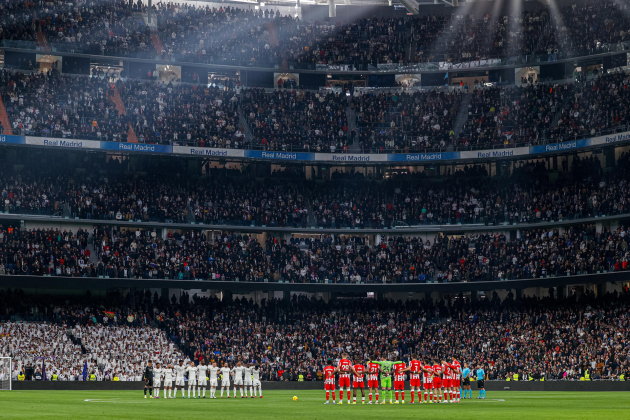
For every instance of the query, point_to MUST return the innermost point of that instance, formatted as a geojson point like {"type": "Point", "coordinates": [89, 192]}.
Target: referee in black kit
{"type": "Point", "coordinates": [148, 379]}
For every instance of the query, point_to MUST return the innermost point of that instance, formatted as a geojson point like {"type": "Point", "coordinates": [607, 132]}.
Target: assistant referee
{"type": "Point", "coordinates": [481, 382]}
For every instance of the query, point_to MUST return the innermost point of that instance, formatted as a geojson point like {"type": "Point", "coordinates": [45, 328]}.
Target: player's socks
{"type": "Point", "coordinates": [412, 393]}
{"type": "Point", "coordinates": [341, 395]}
{"type": "Point", "coordinates": [327, 395]}
{"type": "Point", "coordinates": [370, 397]}
{"type": "Point", "coordinates": [349, 395]}
{"type": "Point", "coordinates": [145, 392]}
{"type": "Point", "coordinates": [396, 395]}
{"type": "Point", "coordinates": [376, 396]}
{"type": "Point", "coordinates": [150, 392]}
{"type": "Point", "coordinates": [391, 394]}
{"type": "Point", "coordinates": [402, 395]}
{"type": "Point", "coordinates": [484, 393]}
{"type": "Point", "coordinates": [354, 400]}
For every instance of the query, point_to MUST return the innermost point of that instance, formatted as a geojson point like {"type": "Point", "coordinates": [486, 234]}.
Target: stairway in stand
{"type": "Point", "coordinates": [4, 119]}
{"type": "Point", "coordinates": [120, 107]}
{"type": "Point", "coordinates": [274, 41]}
{"type": "Point", "coordinates": [42, 41]}
{"type": "Point", "coordinates": [157, 44]}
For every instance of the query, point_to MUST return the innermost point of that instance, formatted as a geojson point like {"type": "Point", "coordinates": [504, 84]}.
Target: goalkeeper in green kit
{"type": "Point", "coordinates": [385, 366]}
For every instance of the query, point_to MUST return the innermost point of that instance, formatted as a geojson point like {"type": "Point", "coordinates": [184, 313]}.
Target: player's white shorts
{"type": "Point", "coordinates": [179, 382]}
{"type": "Point", "coordinates": [256, 382]}
{"type": "Point", "coordinates": [225, 383]}
{"type": "Point", "coordinates": [157, 384]}
{"type": "Point", "coordinates": [238, 381]}
{"type": "Point", "coordinates": [248, 382]}
{"type": "Point", "coordinates": [202, 382]}
{"type": "Point", "coordinates": [214, 383]}
{"type": "Point", "coordinates": [192, 383]}
{"type": "Point", "coordinates": [168, 383]}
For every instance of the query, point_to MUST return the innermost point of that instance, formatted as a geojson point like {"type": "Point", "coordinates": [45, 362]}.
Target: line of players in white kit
{"type": "Point", "coordinates": [199, 377]}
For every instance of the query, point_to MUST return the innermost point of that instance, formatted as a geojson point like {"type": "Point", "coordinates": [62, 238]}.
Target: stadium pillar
{"type": "Point", "coordinates": [562, 292]}
{"type": "Point", "coordinates": [332, 9]}
{"type": "Point", "coordinates": [518, 293]}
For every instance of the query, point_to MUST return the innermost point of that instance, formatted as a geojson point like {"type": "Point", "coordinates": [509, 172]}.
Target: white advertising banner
{"type": "Point", "coordinates": [612, 138]}
{"type": "Point", "coordinates": [349, 157]}
{"type": "Point", "coordinates": [494, 153]}
{"type": "Point", "coordinates": [207, 151]}
{"type": "Point", "coordinates": [64, 143]}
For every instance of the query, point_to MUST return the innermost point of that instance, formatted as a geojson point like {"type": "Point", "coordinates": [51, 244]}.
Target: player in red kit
{"type": "Point", "coordinates": [372, 379]}
{"type": "Point", "coordinates": [446, 382]}
{"type": "Point", "coordinates": [453, 371]}
{"type": "Point", "coordinates": [357, 382]}
{"type": "Point", "coordinates": [329, 380]}
{"type": "Point", "coordinates": [457, 369]}
{"type": "Point", "coordinates": [437, 381]}
{"type": "Point", "coordinates": [428, 383]}
{"type": "Point", "coordinates": [399, 380]}
{"type": "Point", "coordinates": [345, 369]}
{"type": "Point", "coordinates": [416, 368]}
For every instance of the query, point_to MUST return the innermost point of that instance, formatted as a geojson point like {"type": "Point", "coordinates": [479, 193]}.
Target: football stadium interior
{"type": "Point", "coordinates": [421, 203]}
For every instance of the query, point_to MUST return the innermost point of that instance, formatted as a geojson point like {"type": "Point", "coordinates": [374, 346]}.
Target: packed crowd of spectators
{"type": "Point", "coordinates": [189, 255]}
{"type": "Point", "coordinates": [404, 122]}
{"type": "Point", "coordinates": [595, 106]}
{"type": "Point", "coordinates": [187, 115]}
{"type": "Point", "coordinates": [52, 105]}
{"type": "Point", "coordinates": [163, 193]}
{"type": "Point", "coordinates": [234, 36]}
{"type": "Point", "coordinates": [551, 338]}
{"type": "Point", "coordinates": [513, 116]}
{"type": "Point", "coordinates": [289, 120]}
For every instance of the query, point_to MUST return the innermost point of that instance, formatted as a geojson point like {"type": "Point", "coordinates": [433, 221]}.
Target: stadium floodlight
{"type": "Point", "coordinates": [5, 373]}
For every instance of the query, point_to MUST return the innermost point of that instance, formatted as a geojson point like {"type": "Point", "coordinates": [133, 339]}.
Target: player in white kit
{"type": "Point", "coordinates": [225, 379]}
{"type": "Point", "coordinates": [180, 371]}
{"type": "Point", "coordinates": [256, 380]}
{"type": "Point", "coordinates": [157, 380]}
{"type": "Point", "coordinates": [214, 372]}
{"type": "Point", "coordinates": [202, 378]}
{"type": "Point", "coordinates": [237, 371]}
{"type": "Point", "coordinates": [247, 380]}
{"type": "Point", "coordinates": [192, 378]}
{"type": "Point", "coordinates": [168, 380]}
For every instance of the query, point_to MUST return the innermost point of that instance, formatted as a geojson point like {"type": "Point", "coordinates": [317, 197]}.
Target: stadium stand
{"type": "Point", "coordinates": [550, 338]}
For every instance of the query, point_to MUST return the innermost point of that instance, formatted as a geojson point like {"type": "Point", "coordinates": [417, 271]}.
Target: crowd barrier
{"type": "Point", "coordinates": [553, 386]}
{"type": "Point", "coordinates": [524, 152]}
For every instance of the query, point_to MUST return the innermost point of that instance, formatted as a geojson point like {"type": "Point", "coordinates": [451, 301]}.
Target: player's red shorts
{"type": "Point", "coordinates": [446, 383]}
{"type": "Point", "coordinates": [344, 381]}
{"type": "Point", "coordinates": [356, 384]}
{"type": "Point", "coordinates": [329, 385]}
{"type": "Point", "coordinates": [399, 385]}
{"type": "Point", "coordinates": [437, 383]}
{"type": "Point", "coordinates": [415, 380]}
{"type": "Point", "coordinates": [428, 385]}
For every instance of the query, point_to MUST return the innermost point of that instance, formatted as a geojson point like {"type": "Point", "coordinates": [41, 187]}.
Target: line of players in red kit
{"type": "Point", "coordinates": [440, 380]}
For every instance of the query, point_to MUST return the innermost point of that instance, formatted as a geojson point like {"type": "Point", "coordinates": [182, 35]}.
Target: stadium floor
{"type": "Point", "coordinates": [276, 405]}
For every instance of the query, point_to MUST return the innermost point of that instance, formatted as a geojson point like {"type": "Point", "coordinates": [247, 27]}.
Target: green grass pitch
{"type": "Point", "coordinates": [69, 405]}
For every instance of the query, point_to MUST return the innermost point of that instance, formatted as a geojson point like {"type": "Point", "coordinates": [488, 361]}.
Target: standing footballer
{"type": "Point", "coordinates": [147, 377]}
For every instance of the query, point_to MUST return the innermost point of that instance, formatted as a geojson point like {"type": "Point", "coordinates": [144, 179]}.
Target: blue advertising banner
{"type": "Point", "coordinates": [559, 147]}
{"type": "Point", "coordinates": [297, 156]}
{"type": "Point", "coordinates": [136, 147]}
{"type": "Point", "coordinates": [422, 157]}
{"type": "Point", "coordinates": [13, 139]}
